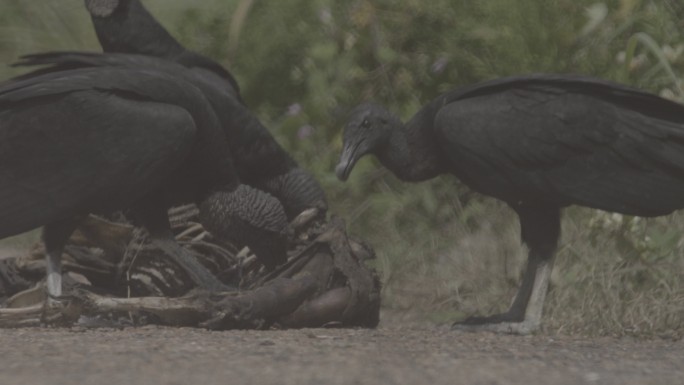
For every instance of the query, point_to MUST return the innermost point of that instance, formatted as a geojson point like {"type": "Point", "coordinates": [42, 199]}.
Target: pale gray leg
{"type": "Point", "coordinates": [540, 229]}
{"type": "Point", "coordinates": [53, 261]}
{"type": "Point", "coordinates": [533, 313]}
{"type": "Point", "coordinates": [55, 236]}
{"type": "Point", "coordinates": [531, 307]}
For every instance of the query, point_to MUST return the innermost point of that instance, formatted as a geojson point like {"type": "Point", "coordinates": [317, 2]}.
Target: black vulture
{"type": "Point", "coordinates": [538, 143]}
{"type": "Point", "coordinates": [100, 139]}
{"type": "Point", "coordinates": [125, 26]}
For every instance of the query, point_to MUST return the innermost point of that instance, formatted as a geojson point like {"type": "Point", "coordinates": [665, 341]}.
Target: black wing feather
{"type": "Point", "coordinates": [71, 144]}
{"type": "Point", "coordinates": [567, 143]}
{"type": "Point", "coordinates": [259, 160]}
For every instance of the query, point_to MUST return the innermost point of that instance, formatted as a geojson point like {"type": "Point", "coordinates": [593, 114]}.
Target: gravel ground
{"type": "Point", "coordinates": [400, 351]}
{"type": "Point", "coordinates": [391, 354]}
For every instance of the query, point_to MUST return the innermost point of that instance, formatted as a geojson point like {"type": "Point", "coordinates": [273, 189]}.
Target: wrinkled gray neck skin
{"type": "Point", "coordinates": [411, 152]}
{"type": "Point", "coordinates": [248, 217]}
{"type": "Point", "coordinates": [297, 190]}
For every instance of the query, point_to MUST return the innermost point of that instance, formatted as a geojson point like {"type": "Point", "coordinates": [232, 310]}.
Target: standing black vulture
{"type": "Point", "coordinates": [538, 143]}
{"type": "Point", "coordinates": [125, 26]}
{"type": "Point", "coordinates": [87, 140]}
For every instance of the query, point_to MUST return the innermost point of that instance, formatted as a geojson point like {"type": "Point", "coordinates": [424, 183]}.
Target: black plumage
{"type": "Point", "coordinates": [538, 143]}
{"type": "Point", "coordinates": [125, 26]}
{"type": "Point", "coordinates": [99, 139]}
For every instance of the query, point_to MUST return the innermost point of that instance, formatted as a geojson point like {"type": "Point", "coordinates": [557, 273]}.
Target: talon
{"type": "Point", "coordinates": [54, 301]}
{"type": "Point", "coordinates": [492, 319]}
{"type": "Point", "coordinates": [497, 324]}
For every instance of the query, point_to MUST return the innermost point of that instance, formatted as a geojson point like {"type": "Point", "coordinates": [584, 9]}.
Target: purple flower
{"type": "Point", "coordinates": [439, 65]}
{"type": "Point", "coordinates": [294, 109]}
{"type": "Point", "coordinates": [305, 131]}
{"type": "Point", "coordinates": [325, 16]}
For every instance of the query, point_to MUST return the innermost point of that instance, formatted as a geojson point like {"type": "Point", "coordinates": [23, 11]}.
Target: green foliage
{"type": "Point", "coordinates": [302, 64]}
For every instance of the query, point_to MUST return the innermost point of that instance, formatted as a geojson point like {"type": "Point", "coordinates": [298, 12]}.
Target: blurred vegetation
{"type": "Point", "coordinates": [442, 250]}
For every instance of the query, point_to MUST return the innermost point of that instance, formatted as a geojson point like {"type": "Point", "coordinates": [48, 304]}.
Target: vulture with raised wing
{"type": "Point", "coordinates": [125, 26]}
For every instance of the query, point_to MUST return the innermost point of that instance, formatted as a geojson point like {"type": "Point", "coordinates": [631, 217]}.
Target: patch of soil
{"type": "Point", "coordinates": [391, 354]}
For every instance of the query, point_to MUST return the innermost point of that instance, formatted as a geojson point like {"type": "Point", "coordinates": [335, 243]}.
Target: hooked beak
{"type": "Point", "coordinates": [348, 158]}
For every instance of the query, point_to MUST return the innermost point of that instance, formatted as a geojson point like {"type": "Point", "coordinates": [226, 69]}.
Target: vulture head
{"type": "Point", "coordinates": [368, 131]}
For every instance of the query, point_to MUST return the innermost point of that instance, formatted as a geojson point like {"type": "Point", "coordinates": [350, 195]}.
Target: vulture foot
{"type": "Point", "coordinates": [510, 322]}
{"type": "Point", "coordinates": [508, 327]}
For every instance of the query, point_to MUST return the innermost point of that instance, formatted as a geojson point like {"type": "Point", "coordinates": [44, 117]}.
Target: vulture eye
{"type": "Point", "coordinates": [365, 123]}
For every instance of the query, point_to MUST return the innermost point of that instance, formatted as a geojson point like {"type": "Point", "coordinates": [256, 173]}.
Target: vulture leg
{"type": "Point", "coordinates": [156, 221]}
{"type": "Point", "coordinates": [55, 236]}
{"type": "Point", "coordinates": [540, 229]}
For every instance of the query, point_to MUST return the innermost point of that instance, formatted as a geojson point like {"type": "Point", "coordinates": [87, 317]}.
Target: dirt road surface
{"type": "Point", "coordinates": [398, 352]}
{"type": "Point", "coordinates": [391, 354]}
